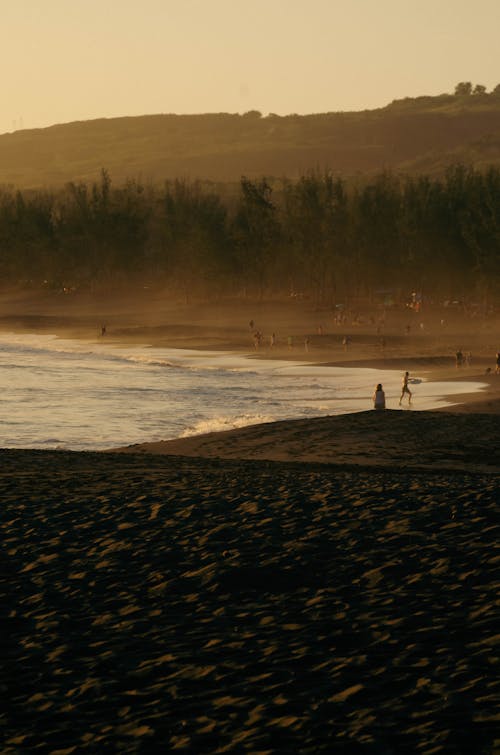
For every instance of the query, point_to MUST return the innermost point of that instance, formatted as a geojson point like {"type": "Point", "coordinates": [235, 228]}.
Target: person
{"type": "Point", "coordinates": [379, 397]}
{"type": "Point", "coordinates": [257, 339]}
{"type": "Point", "coordinates": [405, 388]}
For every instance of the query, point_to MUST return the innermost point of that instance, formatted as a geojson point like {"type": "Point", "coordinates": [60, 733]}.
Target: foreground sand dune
{"type": "Point", "coordinates": [156, 603]}
{"type": "Point", "coordinates": [392, 439]}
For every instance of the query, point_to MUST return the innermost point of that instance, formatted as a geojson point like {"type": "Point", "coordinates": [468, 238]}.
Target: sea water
{"type": "Point", "coordinates": [61, 393]}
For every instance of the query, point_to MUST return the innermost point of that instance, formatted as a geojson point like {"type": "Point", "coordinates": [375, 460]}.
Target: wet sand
{"type": "Point", "coordinates": [327, 585]}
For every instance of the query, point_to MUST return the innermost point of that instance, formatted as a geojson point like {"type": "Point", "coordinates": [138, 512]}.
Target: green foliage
{"type": "Point", "coordinates": [464, 88]}
{"type": "Point", "coordinates": [255, 232]}
{"type": "Point", "coordinates": [316, 223]}
{"type": "Point", "coordinates": [318, 235]}
{"type": "Point", "coordinates": [194, 236]}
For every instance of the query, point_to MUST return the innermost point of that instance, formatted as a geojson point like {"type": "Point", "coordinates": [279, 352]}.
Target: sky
{"type": "Point", "coordinates": [68, 60]}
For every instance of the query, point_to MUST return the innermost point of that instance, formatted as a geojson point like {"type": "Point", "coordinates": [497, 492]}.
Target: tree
{"type": "Point", "coordinates": [196, 248]}
{"type": "Point", "coordinates": [255, 231]}
{"type": "Point", "coordinates": [377, 222]}
{"type": "Point", "coordinates": [463, 88]}
{"type": "Point", "coordinates": [27, 237]}
{"type": "Point", "coordinates": [252, 115]}
{"type": "Point", "coordinates": [316, 220]}
{"type": "Point", "coordinates": [479, 89]}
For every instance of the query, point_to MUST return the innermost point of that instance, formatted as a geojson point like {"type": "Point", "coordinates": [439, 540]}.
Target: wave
{"type": "Point", "coordinates": [218, 424]}
{"type": "Point", "coordinates": [87, 395]}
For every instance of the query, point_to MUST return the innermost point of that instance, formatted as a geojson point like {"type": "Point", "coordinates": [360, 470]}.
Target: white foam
{"type": "Point", "coordinates": [218, 424]}
{"type": "Point", "coordinates": [85, 395]}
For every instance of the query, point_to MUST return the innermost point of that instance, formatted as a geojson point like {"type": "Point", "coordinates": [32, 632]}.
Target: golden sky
{"type": "Point", "coordinates": [67, 60]}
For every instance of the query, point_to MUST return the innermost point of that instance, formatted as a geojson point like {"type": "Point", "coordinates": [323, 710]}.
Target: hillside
{"type": "Point", "coordinates": [410, 135]}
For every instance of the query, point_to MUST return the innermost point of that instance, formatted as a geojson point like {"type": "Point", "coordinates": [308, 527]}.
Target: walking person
{"type": "Point", "coordinates": [405, 388]}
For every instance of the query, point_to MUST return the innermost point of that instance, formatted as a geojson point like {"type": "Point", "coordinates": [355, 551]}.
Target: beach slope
{"type": "Point", "coordinates": [394, 439]}
{"type": "Point", "coordinates": [322, 586]}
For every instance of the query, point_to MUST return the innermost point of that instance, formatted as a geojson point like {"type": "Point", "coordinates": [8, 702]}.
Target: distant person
{"type": "Point", "coordinates": [306, 343]}
{"type": "Point", "coordinates": [379, 397]}
{"type": "Point", "coordinates": [405, 388]}
{"type": "Point", "coordinates": [345, 342]}
{"type": "Point", "coordinates": [272, 340]}
{"type": "Point", "coordinates": [103, 330]}
{"type": "Point", "coordinates": [459, 358]}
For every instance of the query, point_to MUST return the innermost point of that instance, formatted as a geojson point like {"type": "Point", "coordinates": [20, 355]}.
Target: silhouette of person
{"type": "Point", "coordinates": [379, 397]}
{"type": "Point", "coordinates": [405, 388]}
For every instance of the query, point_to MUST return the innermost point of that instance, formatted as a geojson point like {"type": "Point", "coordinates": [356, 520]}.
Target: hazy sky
{"type": "Point", "coordinates": [66, 60]}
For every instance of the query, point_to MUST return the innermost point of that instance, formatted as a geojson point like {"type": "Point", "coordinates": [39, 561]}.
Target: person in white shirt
{"type": "Point", "coordinates": [379, 397]}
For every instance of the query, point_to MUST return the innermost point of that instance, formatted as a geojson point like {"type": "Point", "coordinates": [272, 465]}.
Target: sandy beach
{"type": "Point", "coordinates": [324, 585]}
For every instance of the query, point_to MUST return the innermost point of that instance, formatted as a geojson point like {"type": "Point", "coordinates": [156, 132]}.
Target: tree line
{"type": "Point", "coordinates": [465, 88]}
{"type": "Point", "coordinates": [319, 236]}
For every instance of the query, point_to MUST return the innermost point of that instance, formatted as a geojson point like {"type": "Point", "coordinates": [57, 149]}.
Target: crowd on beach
{"type": "Point", "coordinates": [344, 323]}
{"type": "Point", "coordinates": [377, 322]}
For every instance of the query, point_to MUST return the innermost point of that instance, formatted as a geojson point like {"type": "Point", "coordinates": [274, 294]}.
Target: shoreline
{"type": "Point", "coordinates": [152, 321]}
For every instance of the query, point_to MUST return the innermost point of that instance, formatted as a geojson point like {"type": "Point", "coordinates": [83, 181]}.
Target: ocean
{"type": "Point", "coordinates": [75, 395]}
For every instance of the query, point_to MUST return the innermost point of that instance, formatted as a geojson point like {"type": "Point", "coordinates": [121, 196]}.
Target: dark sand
{"type": "Point", "coordinates": [156, 603]}
{"type": "Point", "coordinates": [301, 587]}
{"type": "Point", "coordinates": [394, 439]}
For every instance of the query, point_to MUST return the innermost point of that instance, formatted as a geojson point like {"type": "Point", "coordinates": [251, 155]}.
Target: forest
{"type": "Point", "coordinates": [317, 236]}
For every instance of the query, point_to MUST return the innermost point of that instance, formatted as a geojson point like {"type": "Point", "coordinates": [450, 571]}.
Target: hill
{"type": "Point", "coordinates": [424, 134]}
